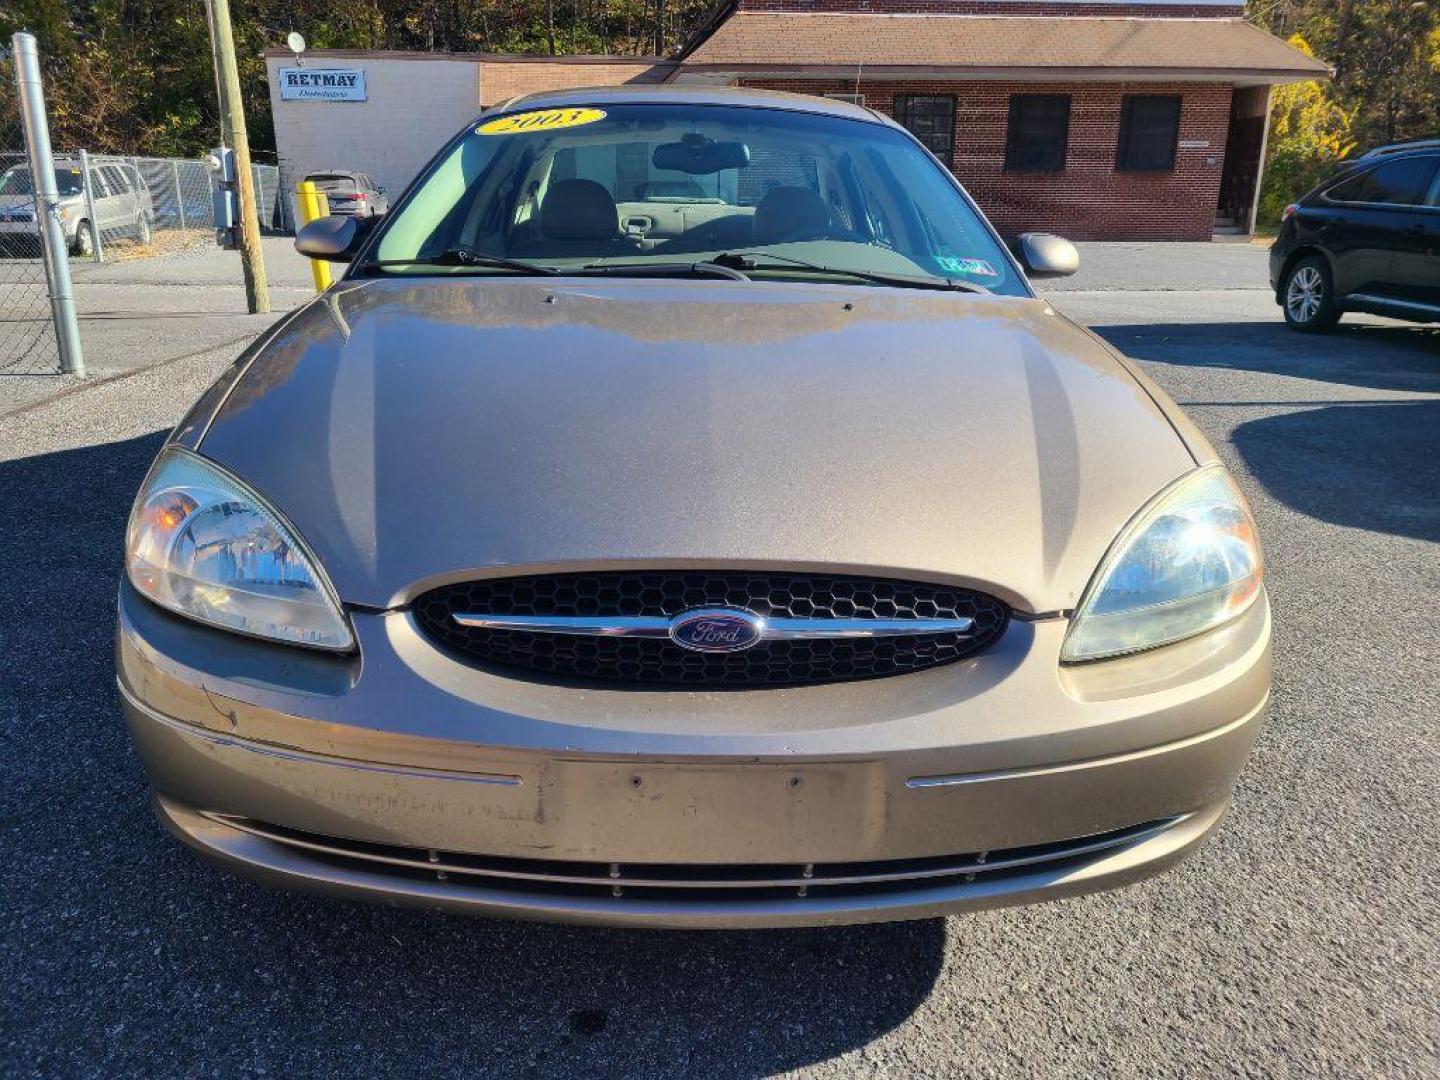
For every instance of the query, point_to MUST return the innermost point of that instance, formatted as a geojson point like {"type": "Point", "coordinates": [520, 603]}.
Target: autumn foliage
{"type": "Point", "coordinates": [135, 76]}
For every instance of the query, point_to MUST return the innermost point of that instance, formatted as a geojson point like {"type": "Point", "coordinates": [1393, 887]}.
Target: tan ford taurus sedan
{"type": "Point", "coordinates": [683, 513]}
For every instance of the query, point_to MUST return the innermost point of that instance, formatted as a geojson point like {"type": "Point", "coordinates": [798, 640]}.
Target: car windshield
{"type": "Point", "coordinates": [16, 181]}
{"type": "Point", "coordinates": [646, 186]}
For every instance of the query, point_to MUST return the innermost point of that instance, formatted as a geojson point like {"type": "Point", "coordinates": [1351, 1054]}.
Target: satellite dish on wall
{"type": "Point", "coordinates": [296, 41]}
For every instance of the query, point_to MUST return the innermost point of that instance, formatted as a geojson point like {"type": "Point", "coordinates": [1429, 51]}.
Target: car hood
{"type": "Point", "coordinates": [419, 431]}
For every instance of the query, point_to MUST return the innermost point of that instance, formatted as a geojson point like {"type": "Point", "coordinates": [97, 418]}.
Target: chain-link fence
{"type": "Point", "coordinates": [136, 207]}
{"type": "Point", "coordinates": [27, 332]}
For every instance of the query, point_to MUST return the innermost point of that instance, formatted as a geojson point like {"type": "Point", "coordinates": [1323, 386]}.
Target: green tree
{"type": "Point", "coordinates": [1386, 56]}
{"type": "Point", "coordinates": [1310, 133]}
{"type": "Point", "coordinates": [135, 76]}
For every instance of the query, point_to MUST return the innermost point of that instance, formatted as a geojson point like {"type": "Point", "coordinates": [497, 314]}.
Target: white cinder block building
{"type": "Point", "coordinates": [404, 106]}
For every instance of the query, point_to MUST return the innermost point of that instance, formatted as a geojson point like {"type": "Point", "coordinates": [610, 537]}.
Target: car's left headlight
{"type": "Point", "coordinates": [203, 544]}
{"type": "Point", "coordinates": [1189, 561]}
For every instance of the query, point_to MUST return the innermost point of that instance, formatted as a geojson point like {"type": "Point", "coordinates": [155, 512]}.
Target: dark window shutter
{"type": "Point", "coordinates": [1149, 130]}
{"type": "Point", "coordinates": [1037, 133]}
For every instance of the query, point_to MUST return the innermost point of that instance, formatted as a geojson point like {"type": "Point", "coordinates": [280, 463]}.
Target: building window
{"type": "Point", "coordinates": [1149, 128]}
{"type": "Point", "coordinates": [931, 119]}
{"type": "Point", "coordinates": [1037, 133]}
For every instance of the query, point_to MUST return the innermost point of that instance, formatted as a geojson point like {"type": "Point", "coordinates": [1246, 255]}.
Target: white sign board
{"type": "Point", "coordinates": [322, 84]}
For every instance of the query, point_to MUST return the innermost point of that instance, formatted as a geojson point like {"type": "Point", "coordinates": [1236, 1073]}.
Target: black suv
{"type": "Point", "coordinates": [1368, 239]}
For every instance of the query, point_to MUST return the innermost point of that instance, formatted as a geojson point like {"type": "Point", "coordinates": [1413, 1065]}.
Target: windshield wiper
{"type": "Point", "coordinates": [756, 260]}
{"type": "Point", "coordinates": [664, 269]}
{"type": "Point", "coordinates": [465, 257]}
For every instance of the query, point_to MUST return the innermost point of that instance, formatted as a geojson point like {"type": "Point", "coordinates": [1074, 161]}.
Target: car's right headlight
{"type": "Point", "coordinates": [202, 544]}
{"type": "Point", "coordinates": [1187, 562]}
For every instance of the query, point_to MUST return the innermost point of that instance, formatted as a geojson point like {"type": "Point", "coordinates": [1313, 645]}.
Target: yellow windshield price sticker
{"type": "Point", "coordinates": [544, 120]}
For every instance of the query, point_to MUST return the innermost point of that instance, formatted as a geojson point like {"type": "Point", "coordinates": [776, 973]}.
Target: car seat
{"type": "Point", "coordinates": [578, 218]}
{"type": "Point", "coordinates": [790, 212]}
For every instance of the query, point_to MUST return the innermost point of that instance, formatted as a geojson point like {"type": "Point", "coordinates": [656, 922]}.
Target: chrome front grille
{"type": "Point", "coordinates": [719, 883]}
{"type": "Point", "coordinates": [617, 626]}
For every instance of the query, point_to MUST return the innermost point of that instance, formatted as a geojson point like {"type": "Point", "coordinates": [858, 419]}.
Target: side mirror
{"type": "Point", "coordinates": [333, 238]}
{"type": "Point", "coordinates": [1047, 255]}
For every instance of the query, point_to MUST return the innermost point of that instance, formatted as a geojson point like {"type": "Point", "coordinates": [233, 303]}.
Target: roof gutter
{"type": "Point", "coordinates": [880, 73]}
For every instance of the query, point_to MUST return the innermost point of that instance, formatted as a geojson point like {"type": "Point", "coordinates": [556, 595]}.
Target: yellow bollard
{"type": "Point", "coordinates": [313, 204]}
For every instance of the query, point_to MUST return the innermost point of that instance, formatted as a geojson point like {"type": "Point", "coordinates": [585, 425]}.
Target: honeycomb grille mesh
{"type": "Point", "coordinates": [670, 593]}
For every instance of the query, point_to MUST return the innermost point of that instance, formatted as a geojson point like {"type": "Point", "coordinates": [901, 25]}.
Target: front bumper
{"type": "Point", "coordinates": [406, 776]}
{"type": "Point", "coordinates": [1279, 255]}
{"type": "Point", "coordinates": [25, 232]}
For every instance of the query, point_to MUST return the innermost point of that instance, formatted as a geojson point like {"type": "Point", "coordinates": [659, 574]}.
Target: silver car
{"type": "Point", "coordinates": [119, 206]}
{"type": "Point", "coordinates": [684, 513]}
{"type": "Point", "coordinates": [350, 192]}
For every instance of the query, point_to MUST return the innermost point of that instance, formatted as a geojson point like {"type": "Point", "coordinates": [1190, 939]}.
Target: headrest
{"type": "Point", "coordinates": [790, 211]}
{"type": "Point", "coordinates": [579, 210]}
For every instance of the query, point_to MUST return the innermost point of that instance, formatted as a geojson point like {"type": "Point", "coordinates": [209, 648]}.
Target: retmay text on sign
{"type": "Point", "coordinates": [322, 84]}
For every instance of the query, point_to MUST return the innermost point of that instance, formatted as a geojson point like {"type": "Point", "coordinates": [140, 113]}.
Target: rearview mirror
{"type": "Point", "coordinates": [697, 155]}
{"type": "Point", "coordinates": [1047, 255]}
{"type": "Point", "coordinates": [334, 238]}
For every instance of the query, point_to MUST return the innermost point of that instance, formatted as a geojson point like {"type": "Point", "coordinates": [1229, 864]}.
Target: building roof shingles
{"type": "Point", "coordinates": [750, 41]}
{"type": "Point", "coordinates": [502, 78]}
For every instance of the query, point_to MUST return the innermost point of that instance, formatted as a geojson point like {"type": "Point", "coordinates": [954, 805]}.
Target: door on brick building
{"type": "Point", "coordinates": [1243, 148]}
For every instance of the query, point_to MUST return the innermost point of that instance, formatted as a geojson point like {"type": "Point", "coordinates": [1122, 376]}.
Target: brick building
{"type": "Point", "coordinates": [1096, 119]}
{"type": "Point", "coordinates": [1091, 118]}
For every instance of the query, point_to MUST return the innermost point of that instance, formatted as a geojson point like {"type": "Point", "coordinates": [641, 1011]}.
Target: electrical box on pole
{"type": "Point", "coordinates": [221, 163]}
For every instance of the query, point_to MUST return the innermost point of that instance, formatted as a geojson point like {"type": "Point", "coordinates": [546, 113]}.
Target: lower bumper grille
{"type": "Point", "coordinates": [720, 883]}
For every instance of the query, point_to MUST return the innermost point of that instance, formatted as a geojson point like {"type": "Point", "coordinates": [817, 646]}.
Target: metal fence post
{"type": "Point", "coordinates": [97, 245]}
{"type": "Point", "coordinates": [179, 195]}
{"type": "Point", "coordinates": [47, 202]}
{"type": "Point", "coordinates": [139, 182]}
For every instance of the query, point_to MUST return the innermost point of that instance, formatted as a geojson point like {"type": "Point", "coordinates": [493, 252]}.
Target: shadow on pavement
{"type": "Point", "coordinates": [1378, 357]}
{"type": "Point", "coordinates": [126, 955]}
{"type": "Point", "coordinates": [1366, 465]}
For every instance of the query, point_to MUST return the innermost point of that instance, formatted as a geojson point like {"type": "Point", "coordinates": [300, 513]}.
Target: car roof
{"type": "Point", "coordinates": [1379, 156]}
{"type": "Point", "coordinates": [1401, 149]}
{"type": "Point", "coordinates": [672, 94]}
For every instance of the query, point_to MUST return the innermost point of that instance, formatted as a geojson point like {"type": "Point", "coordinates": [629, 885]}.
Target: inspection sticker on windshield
{"type": "Point", "coordinates": [974, 267]}
{"type": "Point", "coordinates": [544, 120]}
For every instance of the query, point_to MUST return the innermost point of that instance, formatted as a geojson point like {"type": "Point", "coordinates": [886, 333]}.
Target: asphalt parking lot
{"type": "Point", "coordinates": [1302, 941]}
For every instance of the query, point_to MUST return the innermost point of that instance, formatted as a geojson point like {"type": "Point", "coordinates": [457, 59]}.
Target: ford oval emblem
{"type": "Point", "coordinates": [717, 630]}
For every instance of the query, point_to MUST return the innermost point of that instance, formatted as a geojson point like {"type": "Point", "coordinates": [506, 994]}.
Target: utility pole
{"type": "Point", "coordinates": [232, 119]}
{"type": "Point", "coordinates": [215, 63]}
